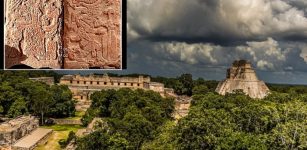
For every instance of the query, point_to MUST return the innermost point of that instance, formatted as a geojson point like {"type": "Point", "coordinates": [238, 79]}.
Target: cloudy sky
{"type": "Point", "coordinates": [203, 37]}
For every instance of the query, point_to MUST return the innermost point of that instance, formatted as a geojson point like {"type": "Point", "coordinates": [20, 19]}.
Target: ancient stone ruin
{"type": "Point", "coordinates": [22, 133]}
{"type": "Point", "coordinates": [241, 76]}
{"type": "Point", "coordinates": [83, 86]}
{"type": "Point", "coordinates": [13, 130]}
{"type": "Point", "coordinates": [69, 34]}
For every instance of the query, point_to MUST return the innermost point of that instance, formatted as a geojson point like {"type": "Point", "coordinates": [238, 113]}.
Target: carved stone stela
{"type": "Point", "coordinates": [92, 33]}
{"type": "Point", "coordinates": [32, 35]}
{"type": "Point", "coordinates": [69, 34]}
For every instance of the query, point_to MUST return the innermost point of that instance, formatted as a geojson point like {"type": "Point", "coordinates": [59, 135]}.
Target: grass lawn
{"type": "Point", "coordinates": [68, 128]}
{"type": "Point", "coordinates": [59, 132]}
{"type": "Point", "coordinates": [78, 115]}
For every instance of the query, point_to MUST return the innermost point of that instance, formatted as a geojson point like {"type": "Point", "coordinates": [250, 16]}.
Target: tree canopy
{"type": "Point", "coordinates": [236, 121]}
{"type": "Point", "coordinates": [19, 96]}
{"type": "Point", "coordinates": [133, 117]}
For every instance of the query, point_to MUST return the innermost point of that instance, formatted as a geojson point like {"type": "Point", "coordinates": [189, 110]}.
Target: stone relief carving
{"type": "Point", "coordinates": [69, 34]}
{"type": "Point", "coordinates": [92, 33]}
{"type": "Point", "coordinates": [33, 30]}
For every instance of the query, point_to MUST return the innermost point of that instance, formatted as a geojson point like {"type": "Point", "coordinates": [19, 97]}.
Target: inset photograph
{"type": "Point", "coordinates": [63, 34]}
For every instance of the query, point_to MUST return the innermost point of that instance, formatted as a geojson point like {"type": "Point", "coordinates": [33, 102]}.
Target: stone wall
{"type": "Point", "coordinates": [83, 86]}
{"type": "Point", "coordinates": [102, 81]}
{"type": "Point", "coordinates": [67, 121]}
{"type": "Point", "coordinates": [15, 129]}
{"type": "Point", "coordinates": [182, 106]}
{"type": "Point", "coordinates": [158, 87]}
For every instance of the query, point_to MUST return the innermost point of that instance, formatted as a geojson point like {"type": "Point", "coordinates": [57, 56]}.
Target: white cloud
{"type": "Point", "coordinates": [265, 55]}
{"type": "Point", "coordinates": [190, 53]}
{"type": "Point", "coordinates": [304, 53]}
{"type": "Point", "coordinates": [132, 35]}
{"type": "Point", "coordinates": [264, 65]}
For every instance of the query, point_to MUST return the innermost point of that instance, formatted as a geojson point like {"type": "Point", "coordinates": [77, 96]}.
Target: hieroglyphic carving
{"type": "Point", "coordinates": [33, 33]}
{"type": "Point", "coordinates": [92, 34]}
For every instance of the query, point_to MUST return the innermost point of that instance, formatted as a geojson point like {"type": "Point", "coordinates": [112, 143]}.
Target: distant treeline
{"type": "Point", "coordinates": [31, 74]}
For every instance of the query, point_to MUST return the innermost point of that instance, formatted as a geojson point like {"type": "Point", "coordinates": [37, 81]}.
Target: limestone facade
{"type": "Point", "coordinates": [241, 76]}
{"type": "Point", "coordinates": [182, 105]}
{"type": "Point", "coordinates": [15, 129]}
{"type": "Point", "coordinates": [83, 86]}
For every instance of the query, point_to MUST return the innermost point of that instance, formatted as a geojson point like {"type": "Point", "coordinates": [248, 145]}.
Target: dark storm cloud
{"type": "Point", "coordinates": [300, 4]}
{"type": "Point", "coordinates": [203, 37]}
{"type": "Point", "coordinates": [217, 21]}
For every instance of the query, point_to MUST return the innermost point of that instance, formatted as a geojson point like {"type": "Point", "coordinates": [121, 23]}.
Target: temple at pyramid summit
{"type": "Point", "coordinates": [241, 76]}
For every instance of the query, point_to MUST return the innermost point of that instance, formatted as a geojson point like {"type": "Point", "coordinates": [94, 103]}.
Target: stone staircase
{"type": "Point", "coordinates": [30, 141]}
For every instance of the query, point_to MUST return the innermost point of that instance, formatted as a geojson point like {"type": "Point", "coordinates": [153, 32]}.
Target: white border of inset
{"type": "Point", "coordinates": [121, 45]}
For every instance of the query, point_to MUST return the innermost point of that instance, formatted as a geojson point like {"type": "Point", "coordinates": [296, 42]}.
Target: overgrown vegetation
{"type": "Point", "coordinates": [185, 85]}
{"type": "Point", "coordinates": [139, 119]}
{"type": "Point", "coordinates": [234, 121]}
{"type": "Point", "coordinates": [64, 142]}
{"type": "Point", "coordinates": [19, 96]}
{"type": "Point", "coordinates": [132, 116]}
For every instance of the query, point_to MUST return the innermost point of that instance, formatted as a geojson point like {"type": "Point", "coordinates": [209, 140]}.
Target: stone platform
{"type": "Point", "coordinates": [30, 141]}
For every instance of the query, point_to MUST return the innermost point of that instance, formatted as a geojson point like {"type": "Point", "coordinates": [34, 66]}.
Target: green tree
{"type": "Point", "coordinates": [42, 100]}
{"type": "Point", "coordinates": [133, 115]}
{"type": "Point", "coordinates": [102, 140]}
{"type": "Point", "coordinates": [200, 89]}
{"type": "Point", "coordinates": [187, 82]}
{"type": "Point", "coordinates": [62, 104]}
{"type": "Point", "coordinates": [7, 97]}
{"type": "Point", "coordinates": [18, 108]}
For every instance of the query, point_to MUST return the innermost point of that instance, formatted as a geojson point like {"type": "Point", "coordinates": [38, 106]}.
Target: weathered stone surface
{"type": "Point", "coordinates": [241, 76]}
{"type": "Point", "coordinates": [33, 30]}
{"type": "Point", "coordinates": [30, 141]}
{"type": "Point", "coordinates": [83, 86]}
{"type": "Point", "coordinates": [15, 129]}
{"type": "Point", "coordinates": [92, 34]}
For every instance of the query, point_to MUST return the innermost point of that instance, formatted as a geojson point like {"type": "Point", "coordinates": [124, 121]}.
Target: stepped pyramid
{"type": "Point", "coordinates": [241, 76]}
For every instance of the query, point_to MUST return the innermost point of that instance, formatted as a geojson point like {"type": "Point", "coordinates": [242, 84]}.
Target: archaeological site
{"type": "Point", "coordinates": [22, 133]}
{"type": "Point", "coordinates": [83, 86]}
{"type": "Point", "coordinates": [242, 77]}
{"type": "Point", "coordinates": [63, 34]}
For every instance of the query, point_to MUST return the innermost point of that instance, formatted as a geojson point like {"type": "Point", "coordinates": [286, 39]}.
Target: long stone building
{"type": "Point", "coordinates": [241, 76]}
{"type": "Point", "coordinates": [83, 86]}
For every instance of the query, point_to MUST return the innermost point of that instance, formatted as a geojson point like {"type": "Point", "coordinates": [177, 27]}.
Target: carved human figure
{"type": "Point", "coordinates": [89, 23]}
